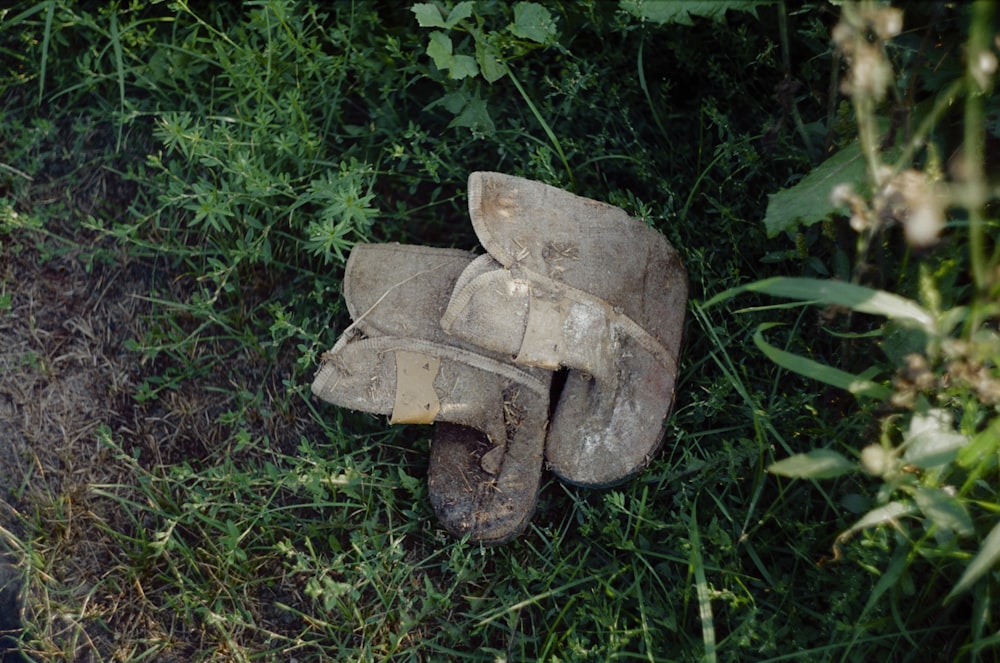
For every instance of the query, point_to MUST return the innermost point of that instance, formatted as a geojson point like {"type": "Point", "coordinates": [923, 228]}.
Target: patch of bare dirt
{"type": "Point", "coordinates": [64, 374]}
{"type": "Point", "coordinates": [62, 368]}
{"type": "Point", "coordinates": [68, 382]}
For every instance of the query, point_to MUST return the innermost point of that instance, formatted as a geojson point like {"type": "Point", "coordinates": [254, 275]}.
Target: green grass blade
{"type": "Point", "coordinates": [641, 70]}
{"type": "Point", "coordinates": [985, 559]}
{"type": "Point", "coordinates": [532, 600]}
{"type": "Point", "coordinates": [810, 368]}
{"type": "Point", "coordinates": [701, 585]}
{"type": "Point", "coordinates": [116, 45]}
{"type": "Point", "coordinates": [888, 580]}
{"type": "Point", "coordinates": [545, 127]}
{"type": "Point", "coordinates": [855, 297]}
{"type": "Point", "coordinates": [882, 515]}
{"type": "Point", "coordinates": [46, 37]}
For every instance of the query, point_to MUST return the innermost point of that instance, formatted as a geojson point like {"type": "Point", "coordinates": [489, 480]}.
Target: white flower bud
{"type": "Point", "coordinates": [876, 461]}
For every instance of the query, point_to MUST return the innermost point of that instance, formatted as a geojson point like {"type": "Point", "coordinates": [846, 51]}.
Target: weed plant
{"type": "Point", "coordinates": [254, 144]}
{"type": "Point", "coordinates": [935, 450]}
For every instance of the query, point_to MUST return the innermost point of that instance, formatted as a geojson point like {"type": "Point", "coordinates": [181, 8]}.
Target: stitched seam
{"type": "Point", "coordinates": [466, 357]}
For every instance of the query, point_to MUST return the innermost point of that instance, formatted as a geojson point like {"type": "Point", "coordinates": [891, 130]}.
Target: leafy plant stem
{"type": "Point", "coordinates": [864, 102]}
{"type": "Point", "coordinates": [975, 133]}
{"type": "Point", "coordinates": [864, 108]}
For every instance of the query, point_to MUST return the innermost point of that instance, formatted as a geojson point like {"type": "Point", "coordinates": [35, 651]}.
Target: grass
{"type": "Point", "coordinates": [180, 184]}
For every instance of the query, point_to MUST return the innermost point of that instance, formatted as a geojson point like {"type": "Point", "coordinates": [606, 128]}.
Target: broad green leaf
{"type": "Point", "coordinates": [880, 516]}
{"type": "Point", "coordinates": [490, 62]}
{"type": "Point", "coordinates": [461, 11]}
{"type": "Point", "coordinates": [932, 440]}
{"type": "Point", "coordinates": [944, 510]}
{"type": "Point", "coordinates": [463, 66]}
{"type": "Point", "coordinates": [439, 49]}
{"type": "Point", "coordinates": [533, 21]}
{"type": "Point", "coordinates": [988, 555]}
{"type": "Point", "coordinates": [816, 464]}
{"type": "Point", "coordinates": [681, 11]}
{"type": "Point", "coordinates": [838, 293]}
{"type": "Point", "coordinates": [809, 201]}
{"type": "Point", "coordinates": [856, 384]}
{"type": "Point", "coordinates": [900, 339]}
{"type": "Point", "coordinates": [429, 16]}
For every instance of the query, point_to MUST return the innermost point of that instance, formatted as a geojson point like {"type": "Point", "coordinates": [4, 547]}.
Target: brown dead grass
{"type": "Point", "coordinates": [66, 375]}
{"type": "Point", "coordinates": [63, 373]}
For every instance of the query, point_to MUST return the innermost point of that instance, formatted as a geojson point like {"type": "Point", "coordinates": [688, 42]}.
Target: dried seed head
{"type": "Point", "coordinates": [913, 200]}
{"type": "Point", "coordinates": [859, 36]}
{"type": "Point", "coordinates": [843, 194]}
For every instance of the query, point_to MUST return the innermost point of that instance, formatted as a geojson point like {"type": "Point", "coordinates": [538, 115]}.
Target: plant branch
{"type": "Point", "coordinates": [980, 66]}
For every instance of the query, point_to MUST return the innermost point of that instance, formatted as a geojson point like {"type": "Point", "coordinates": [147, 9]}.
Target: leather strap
{"type": "Point", "coordinates": [645, 340]}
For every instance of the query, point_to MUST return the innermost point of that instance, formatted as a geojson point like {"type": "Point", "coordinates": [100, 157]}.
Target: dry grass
{"type": "Point", "coordinates": [63, 373]}
{"type": "Point", "coordinates": [67, 386]}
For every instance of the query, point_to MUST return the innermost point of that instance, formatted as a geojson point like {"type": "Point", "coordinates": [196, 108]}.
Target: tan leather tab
{"type": "Point", "coordinates": [416, 401]}
{"type": "Point", "coordinates": [543, 340]}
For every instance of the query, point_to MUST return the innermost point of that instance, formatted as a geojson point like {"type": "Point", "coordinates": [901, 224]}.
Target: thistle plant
{"type": "Point", "coordinates": [937, 392]}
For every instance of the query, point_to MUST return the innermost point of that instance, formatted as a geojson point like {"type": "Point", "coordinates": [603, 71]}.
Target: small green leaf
{"type": "Point", "coordinates": [856, 384]}
{"type": "Point", "coordinates": [461, 11]}
{"type": "Point", "coordinates": [463, 66]}
{"type": "Point", "coordinates": [880, 516]}
{"type": "Point", "coordinates": [454, 102]}
{"type": "Point", "coordinates": [533, 21]}
{"type": "Point", "coordinates": [944, 510]}
{"type": "Point", "coordinates": [902, 339]}
{"type": "Point", "coordinates": [411, 483]}
{"type": "Point", "coordinates": [816, 464]}
{"type": "Point", "coordinates": [439, 48]}
{"type": "Point", "coordinates": [988, 555]}
{"type": "Point", "coordinates": [428, 15]}
{"type": "Point", "coordinates": [490, 62]}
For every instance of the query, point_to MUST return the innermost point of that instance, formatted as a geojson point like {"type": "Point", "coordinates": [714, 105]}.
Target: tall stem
{"type": "Point", "coordinates": [977, 76]}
